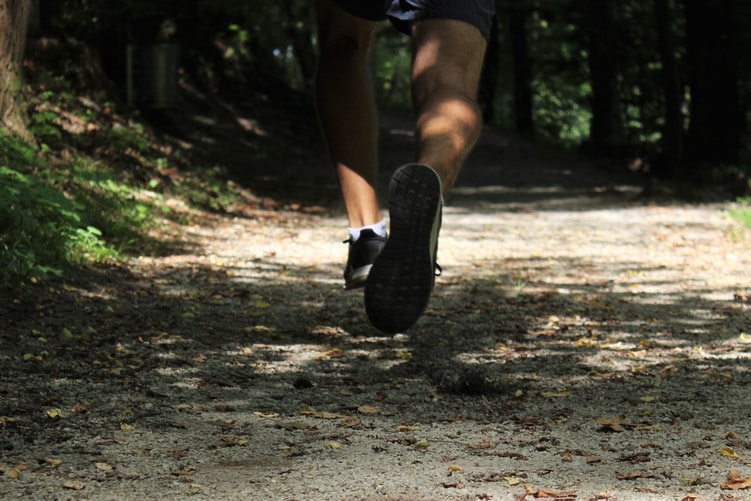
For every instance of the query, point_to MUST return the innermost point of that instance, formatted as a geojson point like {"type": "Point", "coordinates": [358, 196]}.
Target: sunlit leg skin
{"type": "Point", "coordinates": [445, 77]}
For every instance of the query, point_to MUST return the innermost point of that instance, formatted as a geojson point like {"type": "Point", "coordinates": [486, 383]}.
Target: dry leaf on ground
{"type": "Point", "coordinates": [735, 482]}
{"type": "Point", "coordinates": [368, 409]}
{"type": "Point", "coordinates": [546, 494]}
{"type": "Point", "coordinates": [74, 485]}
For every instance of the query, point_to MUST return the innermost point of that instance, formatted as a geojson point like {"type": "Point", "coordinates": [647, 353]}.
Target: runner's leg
{"type": "Point", "coordinates": [347, 109]}
{"type": "Point", "coordinates": [445, 77]}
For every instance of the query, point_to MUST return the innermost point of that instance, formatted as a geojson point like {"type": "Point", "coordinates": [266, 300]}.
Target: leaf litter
{"type": "Point", "coordinates": [566, 361]}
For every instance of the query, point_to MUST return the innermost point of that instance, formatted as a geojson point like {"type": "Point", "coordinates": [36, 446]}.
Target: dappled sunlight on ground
{"type": "Point", "coordinates": [577, 341]}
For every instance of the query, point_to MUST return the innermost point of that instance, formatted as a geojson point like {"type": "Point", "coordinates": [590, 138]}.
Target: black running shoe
{"type": "Point", "coordinates": [362, 255]}
{"type": "Point", "coordinates": [402, 278]}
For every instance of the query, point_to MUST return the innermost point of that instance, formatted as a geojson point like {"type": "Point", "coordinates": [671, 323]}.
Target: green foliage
{"type": "Point", "coordinates": [560, 80]}
{"type": "Point", "coordinates": [96, 187]}
{"type": "Point", "coordinates": [392, 64]}
{"type": "Point", "coordinates": [561, 113]}
{"type": "Point", "coordinates": [38, 224]}
{"type": "Point", "coordinates": [742, 212]}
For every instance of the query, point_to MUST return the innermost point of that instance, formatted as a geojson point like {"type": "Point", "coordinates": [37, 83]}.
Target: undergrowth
{"type": "Point", "coordinates": [95, 187]}
{"type": "Point", "coordinates": [742, 211]}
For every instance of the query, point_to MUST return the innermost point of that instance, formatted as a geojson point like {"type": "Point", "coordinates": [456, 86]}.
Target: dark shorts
{"type": "Point", "coordinates": [401, 13]}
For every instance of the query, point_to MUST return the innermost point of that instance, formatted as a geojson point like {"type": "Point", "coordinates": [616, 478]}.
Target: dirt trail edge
{"type": "Point", "coordinates": [581, 344]}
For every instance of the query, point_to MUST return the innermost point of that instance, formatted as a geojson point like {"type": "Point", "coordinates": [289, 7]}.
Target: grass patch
{"type": "Point", "coordinates": [742, 211]}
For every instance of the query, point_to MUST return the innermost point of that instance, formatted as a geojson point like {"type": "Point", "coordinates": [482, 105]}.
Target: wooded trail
{"type": "Point", "coordinates": [583, 342]}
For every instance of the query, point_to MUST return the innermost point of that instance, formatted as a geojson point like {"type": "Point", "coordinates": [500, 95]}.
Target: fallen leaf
{"type": "Point", "coordinates": [455, 467]}
{"type": "Point", "coordinates": [55, 463]}
{"type": "Point", "coordinates": [513, 480]}
{"type": "Point", "coordinates": [335, 353]}
{"type": "Point", "coordinates": [234, 440]}
{"type": "Point", "coordinates": [54, 413]}
{"type": "Point", "coordinates": [81, 406]}
{"type": "Point", "coordinates": [368, 409]}
{"type": "Point", "coordinates": [729, 452]}
{"type": "Point", "coordinates": [74, 485]}
{"type": "Point", "coordinates": [13, 474]}
{"type": "Point", "coordinates": [561, 394]}
{"type": "Point", "coordinates": [103, 466]}
{"type": "Point", "coordinates": [612, 424]}
{"type": "Point", "coordinates": [5, 421]}
{"type": "Point", "coordinates": [408, 427]}
{"type": "Point", "coordinates": [542, 494]}
{"type": "Point", "coordinates": [647, 427]}
{"type": "Point", "coordinates": [127, 427]}
{"type": "Point", "coordinates": [736, 482]}
{"type": "Point", "coordinates": [719, 374]}
{"type": "Point", "coordinates": [422, 444]}
{"type": "Point", "coordinates": [619, 424]}
{"type": "Point", "coordinates": [350, 422]}
{"type": "Point", "coordinates": [183, 473]}
{"type": "Point", "coordinates": [294, 425]}
{"type": "Point", "coordinates": [484, 444]}
{"type": "Point", "coordinates": [266, 415]}
{"type": "Point", "coordinates": [586, 341]}
{"type": "Point", "coordinates": [332, 445]}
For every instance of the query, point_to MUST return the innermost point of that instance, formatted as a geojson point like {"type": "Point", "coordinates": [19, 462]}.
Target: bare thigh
{"type": "Point", "coordinates": [447, 53]}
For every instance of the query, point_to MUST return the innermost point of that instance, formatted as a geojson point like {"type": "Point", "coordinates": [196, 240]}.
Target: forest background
{"type": "Point", "coordinates": [661, 87]}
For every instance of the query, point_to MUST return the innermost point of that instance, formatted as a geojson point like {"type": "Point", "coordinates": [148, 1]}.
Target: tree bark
{"type": "Point", "coordinates": [716, 119]}
{"type": "Point", "coordinates": [672, 132]}
{"type": "Point", "coordinates": [489, 76]}
{"type": "Point", "coordinates": [300, 33]}
{"type": "Point", "coordinates": [14, 17]}
{"type": "Point", "coordinates": [522, 69]}
{"type": "Point", "coordinates": [606, 133]}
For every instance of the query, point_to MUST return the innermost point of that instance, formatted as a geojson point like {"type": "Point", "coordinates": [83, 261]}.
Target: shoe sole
{"type": "Point", "coordinates": [401, 280]}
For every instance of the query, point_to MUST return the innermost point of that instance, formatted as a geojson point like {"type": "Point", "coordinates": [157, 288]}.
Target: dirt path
{"type": "Point", "coordinates": [581, 344]}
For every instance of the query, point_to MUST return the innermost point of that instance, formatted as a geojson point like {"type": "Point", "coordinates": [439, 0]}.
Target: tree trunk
{"type": "Point", "coordinates": [300, 34]}
{"type": "Point", "coordinates": [489, 76]}
{"type": "Point", "coordinates": [606, 133]}
{"type": "Point", "coordinates": [672, 133]}
{"type": "Point", "coordinates": [716, 115]}
{"type": "Point", "coordinates": [522, 69]}
{"type": "Point", "coordinates": [14, 16]}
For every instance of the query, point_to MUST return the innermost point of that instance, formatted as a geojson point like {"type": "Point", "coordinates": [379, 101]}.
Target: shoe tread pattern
{"type": "Point", "coordinates": [401, 280]}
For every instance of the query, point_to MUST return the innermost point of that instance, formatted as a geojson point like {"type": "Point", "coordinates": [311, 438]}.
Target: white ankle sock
{"type": "Point", "coordinates": [379, 228]}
